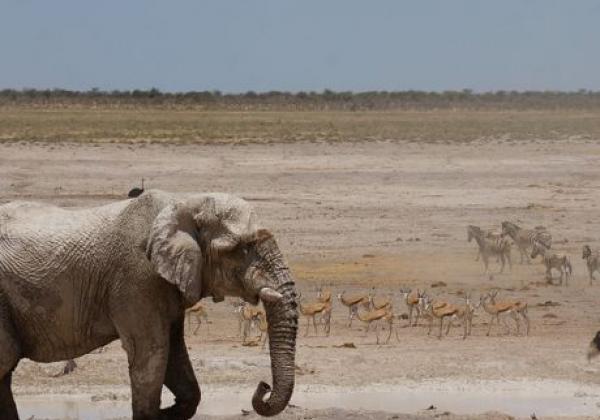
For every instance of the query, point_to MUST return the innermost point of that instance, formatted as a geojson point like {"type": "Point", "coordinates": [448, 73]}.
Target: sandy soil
{"type": "Point", "coordinates": [350, 216]}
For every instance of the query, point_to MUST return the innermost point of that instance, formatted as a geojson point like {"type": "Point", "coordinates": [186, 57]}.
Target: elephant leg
{"type": "Point", "coordinates": [8, 407]}
{"type": "Point", "coordinates": [180, 378]}
{"type": "Point", "coordinates": [147, 348]}
{"type": "Point", "coordinates": [9, 357]}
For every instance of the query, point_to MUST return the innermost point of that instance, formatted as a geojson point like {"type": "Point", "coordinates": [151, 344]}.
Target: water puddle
{"type": "Point", "coordinates": [517, 398]}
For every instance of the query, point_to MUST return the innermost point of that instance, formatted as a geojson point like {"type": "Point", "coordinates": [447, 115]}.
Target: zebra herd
{"type": "Point", "coordinates": [531, 243]}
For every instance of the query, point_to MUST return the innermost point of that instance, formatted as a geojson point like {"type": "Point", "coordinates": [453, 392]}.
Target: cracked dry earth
{"type": "Point", "coordinates": [349, 217]}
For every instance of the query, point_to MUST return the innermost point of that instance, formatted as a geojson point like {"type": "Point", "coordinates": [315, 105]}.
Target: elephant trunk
{"type": "Point", "coordinates": [282, 317]}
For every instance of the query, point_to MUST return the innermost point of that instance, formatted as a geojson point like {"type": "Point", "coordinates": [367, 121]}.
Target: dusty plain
{"type": "Point", "coordinates": [389, 210]}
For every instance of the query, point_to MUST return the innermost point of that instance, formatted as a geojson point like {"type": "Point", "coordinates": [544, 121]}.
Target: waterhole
{"type": "Point", "coordinates": [517, 398]}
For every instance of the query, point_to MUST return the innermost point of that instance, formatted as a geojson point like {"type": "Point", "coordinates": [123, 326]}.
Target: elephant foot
{"type": "Point", "coordinates": [178, 412]}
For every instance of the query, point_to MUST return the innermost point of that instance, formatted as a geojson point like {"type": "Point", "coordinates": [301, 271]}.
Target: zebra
{"type": "Point", "coordinates": [592, 260]}
{"type": "Point", "coordinates": [493, 235]}
{"type": "Point", "coordinates": [559, 262]}
{"type": "Point", "coordinates": [524, 238]}
{"type": "Point", "coordinates": [488, 247]}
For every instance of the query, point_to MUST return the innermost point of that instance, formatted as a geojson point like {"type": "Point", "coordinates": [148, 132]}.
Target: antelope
{"type": "Point", "coordinates": [490, 247]}
{"type": "Point", "coordinates": [524, 238]}
{"type": "Point", "coordinates": [377, 302]}
{"type": "Point", "coordinates": [559, 262]}
{"type": "Point", "coordinates": [324, 296]}
{"type": "Point", "coordinates": [441, 310]}
{"type": "Point", "coordinates": [199, 311]}
{"type": "Point", "coordinates": [465, 315]}
{"type": "Point", "coordinates": [592, 260]}
{"type": "Point", "coordinates": [514, 308]}
{"type": "Point", "coordinates": [311, 310]}
{"type": "Point", "coordinates": [352, 302]}
{"type": "Point", "coordinates": [413, 300]}
{"type": "Point", "coordinates": [378, 316]}
{"type": "Point", "coordinates": [248, 317]}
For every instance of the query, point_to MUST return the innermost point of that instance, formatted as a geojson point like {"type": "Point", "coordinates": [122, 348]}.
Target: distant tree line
{"type": "Point", "coordinates": [325, 100]}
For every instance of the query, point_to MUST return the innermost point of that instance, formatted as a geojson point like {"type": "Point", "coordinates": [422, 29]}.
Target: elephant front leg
{"type": "Point", "coordinates": [147, 357]}
{"type": "Point", "coordinates": [7, 402]}
{"type": "Point", "coordinates": [180, 378]}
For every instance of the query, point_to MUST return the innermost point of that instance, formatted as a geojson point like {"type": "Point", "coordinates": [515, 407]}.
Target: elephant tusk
{"type": "Point", "coordinates": [269, 295]}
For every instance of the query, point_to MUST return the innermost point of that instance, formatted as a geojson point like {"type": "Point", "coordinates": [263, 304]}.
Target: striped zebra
{"type": "Point", "coordinates": [551, 260]}
{"type": "Point", "coordinates": [489, 234]}
{"type": "Point", "coordinates": [490, 247]}
{"type": "Point", "coordinates": [524, 238]}
{"type": "Point", "coordinates": [592, 260]}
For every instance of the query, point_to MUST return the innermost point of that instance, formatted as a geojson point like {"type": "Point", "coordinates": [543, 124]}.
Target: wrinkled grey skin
{"type": "Point", "coordinates": [75, 280]}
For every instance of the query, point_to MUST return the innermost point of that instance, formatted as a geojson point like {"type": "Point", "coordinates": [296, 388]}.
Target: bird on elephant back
{"type": "Point", "coordinates": [75, 280]}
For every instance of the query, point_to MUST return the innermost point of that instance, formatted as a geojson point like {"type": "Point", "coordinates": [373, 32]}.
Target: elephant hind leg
{"type": "Point", "coordinates": [9, 357]}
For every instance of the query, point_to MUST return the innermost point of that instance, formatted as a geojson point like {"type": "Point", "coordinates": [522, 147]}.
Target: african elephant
{"type": "Point", "coordinates": [75, 280]}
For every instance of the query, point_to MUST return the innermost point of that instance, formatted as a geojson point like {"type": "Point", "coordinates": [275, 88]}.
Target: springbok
{"type": "Point", "coordinates": [324, 296]}
{"type": "Point", "coordinates": [311, 310]}
{"type": "Point", "coordinates": [465, 316]}
{"type": "Point", "coordinates": [515, 308]}
{"type": "Point", "coordinates": [413, 299]}
{"type": "Point", "coordinates": [199, 312]}
{"type": "Point", "coordinates": [248, 317]}
{"type": "Point", "coordinates": [352, 302]}
{"type": "Point", "coordinates": [379, 316]}
{"type": "Point", "coordinates": [441, 310]}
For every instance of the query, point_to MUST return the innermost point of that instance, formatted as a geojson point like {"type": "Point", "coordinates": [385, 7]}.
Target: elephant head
{"type": "Point", "coordinates": [210, 245]}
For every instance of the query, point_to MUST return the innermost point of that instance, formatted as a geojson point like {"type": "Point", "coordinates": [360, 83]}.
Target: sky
{"type": "Point", "coordinates": [295, 45]}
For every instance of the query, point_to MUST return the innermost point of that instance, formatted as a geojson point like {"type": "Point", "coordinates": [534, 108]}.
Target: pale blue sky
{"type": "Point", "coordinates": [240, 45]}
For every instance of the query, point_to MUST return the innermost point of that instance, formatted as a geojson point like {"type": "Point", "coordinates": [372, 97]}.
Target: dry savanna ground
{"type": "Point", "coordinates": [356, 200]}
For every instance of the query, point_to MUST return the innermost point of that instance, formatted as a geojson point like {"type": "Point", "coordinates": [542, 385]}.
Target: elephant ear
{"type": "Point", "coordinates": [225, 220]}
{"type": "Point", "coordinates": [174, 251]}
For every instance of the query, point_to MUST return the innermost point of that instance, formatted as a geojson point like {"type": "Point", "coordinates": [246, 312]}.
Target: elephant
{"type": "Point", "coordinates": [73, 280]}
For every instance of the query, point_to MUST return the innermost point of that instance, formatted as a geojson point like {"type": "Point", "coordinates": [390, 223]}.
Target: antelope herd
{"type": "Point", "coordinates": [378, 312]}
